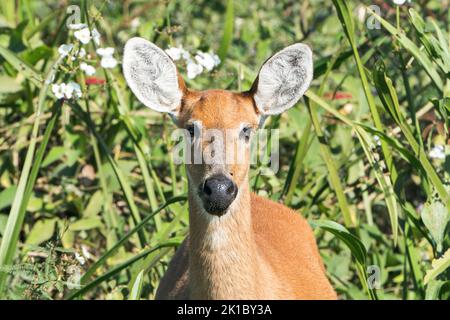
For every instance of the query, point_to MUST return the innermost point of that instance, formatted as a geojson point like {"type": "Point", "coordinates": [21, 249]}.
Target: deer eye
{"type": "Point", "coordinates": [246, 133]}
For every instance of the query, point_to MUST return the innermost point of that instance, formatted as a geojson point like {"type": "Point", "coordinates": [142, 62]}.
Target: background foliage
{"type": "Point", "coordinates": [88, 187]}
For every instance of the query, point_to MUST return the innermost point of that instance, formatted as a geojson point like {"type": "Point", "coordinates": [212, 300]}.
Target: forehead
{"type": "Point", "coordinates": [218, 109]}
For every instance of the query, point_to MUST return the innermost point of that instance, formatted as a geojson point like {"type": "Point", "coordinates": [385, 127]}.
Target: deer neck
{"type": "Point", "coordinates": [223, 253]}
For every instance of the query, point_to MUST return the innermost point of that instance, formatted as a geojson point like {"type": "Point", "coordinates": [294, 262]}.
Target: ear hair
{"type": "Point", "coordinates": [152, 75]}
{"type": "Point", "coordinates": [283, 79]}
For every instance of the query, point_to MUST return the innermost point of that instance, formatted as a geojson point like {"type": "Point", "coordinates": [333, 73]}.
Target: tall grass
{"type": "Point", "coordinates": [88, 182]}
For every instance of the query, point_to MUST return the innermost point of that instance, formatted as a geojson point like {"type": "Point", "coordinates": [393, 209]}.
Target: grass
{"type": "Point", "coordinates": [88, 194]}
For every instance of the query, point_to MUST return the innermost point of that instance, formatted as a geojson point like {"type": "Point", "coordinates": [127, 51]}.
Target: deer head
{"type": "Point", "coordinates": [216, 182]}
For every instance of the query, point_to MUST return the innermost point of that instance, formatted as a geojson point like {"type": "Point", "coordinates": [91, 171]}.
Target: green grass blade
{"type": "Point", "coordinates": [102, 260]}
{"type": "Point", "coordinates": [348, 215]}
{"type": "Point", "coordinates": [120, 267]}
{"type": "Point", "coordinates": [383, 180]}
{"type": "Point", "coordinates": [227, 31]}
{"type": "Point", "coordinates": [346, 18]}
{"type": "Point", "coordinates": [414, 50]}
{"type": "Point", "coordinates": [292, 179]}
{"type": "Point", "coordinates": [354, 244]}
{"type": "Point", "coordinates": [26, 182]}
{"type": "Point", "coordinates": [126, 188]}
{"type": "Point", "coordinates": [136, 289]}
{"type": "Point", "coordinates": [28, 71]}
{"type": "Point", "coordinates": [15, 220]}
{"type": "Point", "coordinates": [438, 267]}
{"type": "Point", "coordinates": [389, 99]}
{"type": "Point", "coordinates": [143, 161]}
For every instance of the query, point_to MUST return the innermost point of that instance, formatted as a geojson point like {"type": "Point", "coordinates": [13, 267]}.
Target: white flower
{"type": "Point", "coordinates": [58, 90]}
{"type": "Point", "coordinates": [74, 89]}
{"type": "Point", "coordinates": [77, 26]}
{"type": "Point", "coordinates": [64, 49]}
{"type": "Point", "coordinates": [88, 69]}
{"type": "Point", "coordinates": [95, 36]}
{"type": "Point", "coordinates": [108, 62]}
{"type": "Point", "coordinates": [84, 35]}
{"type": "Point", "coordinates": [207, 60]}
{"type": "Point", "coordinates": [437, 152]}
{"type": "Point", "coordinates": [193, 69]}
{"type": "Point", "coordinates": [361, 13]}
{"type": "Point", "coordinates": [105, 51]}
{"type": "Point", "coordinates": [80, 258]}
{"type": "Point", "coordinates": [174, 53]}
{"type": "Point", "coordinates": [185, 54]}
{"type": "Point", "coordinates": [135, 23]}
{"type": "Point", "coordinates": [400, 2]}
{"type": "Point", "coordinates": [239, 22]}
{"type": "Point", "coordinates": [377, 140]}
{"type": "Point", "coordinates": [85, 252]}
{"type": "Point", "coordinates": [81, 53]}
{"type": "Point", "coordinates": [67, 91]}
{"type": "Point", "coordinates": [177, 53]}
{"type": "Point", "coordinates": [216, 59]}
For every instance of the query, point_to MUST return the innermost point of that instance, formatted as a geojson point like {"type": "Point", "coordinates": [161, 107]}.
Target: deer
{"type": "Point", "coordinates": [239, 245]}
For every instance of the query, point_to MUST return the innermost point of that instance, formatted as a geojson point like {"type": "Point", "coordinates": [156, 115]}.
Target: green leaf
{"type": "Point", "coordinates": [86, 224]}
{"type": "Point", "coordinates": [433, 289]}
{"type": "Point", "coordinates": [20, 65]}
{"type": "Point", "coordinates": [27, 178]}
{"type": "Point", "coordinates": [388, 97]}
{"type": "Point", "coordinates": [53, 155]}
{"type": "Point", "coordinates": [438, 266]}
{"type": "Point", "coordinates": [347, 213]}
{"type": "Point", "coordinates": [10, 90]}
{"type": "Point", "coordinates": [32, 56]}
{"type": "Point", "coordinates": [420, 56]}
{"type": "Point", "coordinates": [346, 18]}
{"type": "Point", "coordinates": [437, 50]}
{"type": "Point", "coordinates": [7, 196]}
{"type": "Point", "coordinates": [42, 231]}
{"type": "Point", "coordinates": [95, 205]}
{"type": "Point", "coordinates": [117, 269]}
{"type": "Point", "coordinates": [102, 260]}
{"type": "Point", "coordinates": [30, 32]}
{"type": "Point", "coordinates": [435, 216]}
{"type": "Point", "coordinates": [383, 180]}
{"type": "Point", "coordinates": [9, 85]}
{"type": "Point", "coordinates": [124, 184]}
{"type": "Point", "coordinates": [227, 31]}
{"type": "Point", "coordinates": [354, 244]}
{"type": "Point", "coordinates": [3, 221]}
{"type": "Point", "coordinates": [137, 286]}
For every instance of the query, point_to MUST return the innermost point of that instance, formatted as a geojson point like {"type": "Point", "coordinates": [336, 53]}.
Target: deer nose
{"type": "Point", "coordinates": [218, 193]}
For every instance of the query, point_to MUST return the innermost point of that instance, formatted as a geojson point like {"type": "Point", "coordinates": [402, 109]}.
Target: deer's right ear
{"type": "Point", "coordinates": [152, 76]}
{"type": "Point", "coordinates": [283, 79]}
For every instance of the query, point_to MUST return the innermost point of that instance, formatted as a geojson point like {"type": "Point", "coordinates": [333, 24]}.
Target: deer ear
{"type": "Point", "coordinates": [152, 76]}
{"type": "Point", "coordinates": [283, 79]}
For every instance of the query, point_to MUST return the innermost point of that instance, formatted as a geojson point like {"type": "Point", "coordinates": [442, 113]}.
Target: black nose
{"type": "Point", "coordinates": [217, 194]}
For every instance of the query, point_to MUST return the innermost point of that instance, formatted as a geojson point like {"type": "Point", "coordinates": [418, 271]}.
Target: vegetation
{"type": "Point", "coordinates": [90, 195]}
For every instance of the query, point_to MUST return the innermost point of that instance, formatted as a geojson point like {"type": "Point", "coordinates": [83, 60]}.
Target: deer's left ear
{"type": "Point", "coordinates": [283, 79]}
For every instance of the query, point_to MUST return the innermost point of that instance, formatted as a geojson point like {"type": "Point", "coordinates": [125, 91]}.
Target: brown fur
{"type": "Point", "coordinates": [259, 249]}
{"type": "Point", "coordinates": [284, 240]}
